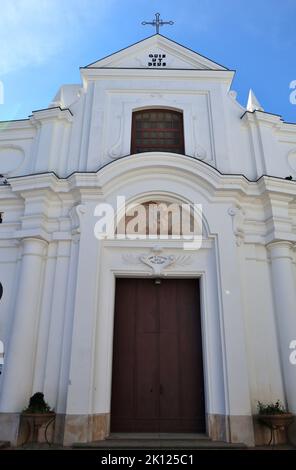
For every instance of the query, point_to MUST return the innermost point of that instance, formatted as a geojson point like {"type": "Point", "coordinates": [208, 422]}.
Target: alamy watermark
{"type": "Point", "coordinates": [293, 93]}
{"type": "Point", "coordinates": [154, 220]}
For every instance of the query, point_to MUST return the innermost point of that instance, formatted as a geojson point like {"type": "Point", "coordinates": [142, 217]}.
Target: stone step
{"type": "Point", "coordinates": [161, 435]}
{"type": "Point", "coordinates": [4, 444]}
{"type": "Point", "coordinates": [159, 441]}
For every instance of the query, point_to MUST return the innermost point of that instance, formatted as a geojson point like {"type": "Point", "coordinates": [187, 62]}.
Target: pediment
{"type": "Point", "coordinates": [157, 52]}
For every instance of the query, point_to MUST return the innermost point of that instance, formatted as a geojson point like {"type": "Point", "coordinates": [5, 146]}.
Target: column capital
{"type": "Point", "coordinates": [34, 246]}
{"type": "Point", "coordinates": [280, 248]}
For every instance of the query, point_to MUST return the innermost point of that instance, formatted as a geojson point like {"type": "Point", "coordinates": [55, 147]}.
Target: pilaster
{"type": "Point", "coordinates": [284, 293]}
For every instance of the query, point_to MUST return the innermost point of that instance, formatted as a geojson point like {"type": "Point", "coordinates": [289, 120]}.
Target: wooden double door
{"type": "Point", "coordinates": [157, 383]}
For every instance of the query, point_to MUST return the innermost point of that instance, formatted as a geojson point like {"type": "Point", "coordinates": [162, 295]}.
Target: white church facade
{"type": "Point", "coordinates": [139, 334]}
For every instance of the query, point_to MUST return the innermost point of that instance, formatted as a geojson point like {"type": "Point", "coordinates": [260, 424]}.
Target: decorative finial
{"type": "Point", "coordinates": [157, 22]}
{"type": "Point", "coordinates": [253, 103]}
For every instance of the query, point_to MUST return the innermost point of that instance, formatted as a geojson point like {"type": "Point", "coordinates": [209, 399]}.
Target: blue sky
{"type": "Point", "coordinates": [43, 43]}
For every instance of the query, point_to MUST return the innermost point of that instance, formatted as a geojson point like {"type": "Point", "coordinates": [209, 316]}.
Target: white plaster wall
{"type": "Point", "coordinates": [16, 150]}
{"type": "Point", "coordinates": [121, 98]}
{"type": "Point", "coordinates": [59, 347]}
{"type": "Point", "coordinates": [114, 265]}
{"type": "Point", "coordinates": [264, 365]}
{"type": "Point", "coordinates": [226, 377]}
{"type": "Point", "coordinates": [8, 278]}
{"type": "Point", "coordinates": [73, 352]}
{"type": "Point", "coordinates": [97, 129]}
{"type": "Point", "coordinates": [287, 153]}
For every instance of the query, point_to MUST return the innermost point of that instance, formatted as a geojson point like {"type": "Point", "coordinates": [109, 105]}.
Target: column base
{"type": "Point", "coordinates": [217, 427]}
{"type": "Point", "coordinates": [9, 427]}
{"type": "Point", "coordinates": [70, 429]}
{"type": "Point", "coordinates": [67, 429]}
{"type": "Point", "coordinates": [233, 429]}
{"type": "Point", "coordinates": [85, 428]}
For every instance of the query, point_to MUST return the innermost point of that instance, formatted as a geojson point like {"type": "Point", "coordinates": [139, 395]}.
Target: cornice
{"type": "Point", "coordinates": [167, 44]}
{"type": "Point", "coordinates": [272, 120]}
{"type": "Point", "coordinates": [174, 166]}
{"type": "Point", "coordinates": [37, 182]}
{"type": "Point", "coordinates": [127, 73]}
{"type": "Point", "coordinates": [50, 114]}
{"type": "Point", "coordinates": [280, 243]}
{"type": "Point", "coordinates": [15, 125]}
{"type": "Point", "coordinates": [37, 233]}
{"type": "Point", "coordinates": [289, 128]}
{"type": "Point", "coordinates": [284, 188]}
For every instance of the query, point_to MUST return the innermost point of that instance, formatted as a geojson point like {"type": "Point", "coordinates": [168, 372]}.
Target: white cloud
{"type": "Point", "coordinates": [32, 31]}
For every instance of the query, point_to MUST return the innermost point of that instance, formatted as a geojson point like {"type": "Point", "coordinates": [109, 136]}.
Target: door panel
{"type": "Point", "coordinates": [157, 357]}
{"type": "Point", "coordinates": [124, 351]}
{"type": "Point", "coordinates": [169, 351]}
{"type": "Point", "coordinates": [146, 354]}
{"type": "Point", "coordinates": [191, 375]}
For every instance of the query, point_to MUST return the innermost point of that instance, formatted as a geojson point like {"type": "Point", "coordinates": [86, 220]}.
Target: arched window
{"type": "Point", "coordinates": [157, 130]}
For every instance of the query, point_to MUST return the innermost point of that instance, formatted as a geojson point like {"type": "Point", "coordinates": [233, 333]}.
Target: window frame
{"type": "Point", "coordinates": [169, 149]}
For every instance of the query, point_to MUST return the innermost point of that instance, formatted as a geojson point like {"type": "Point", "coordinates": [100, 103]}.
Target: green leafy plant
{"type": "Point", "coordinates": [37, 404]}
{"type": "Point", "coordinates": [276, 408]}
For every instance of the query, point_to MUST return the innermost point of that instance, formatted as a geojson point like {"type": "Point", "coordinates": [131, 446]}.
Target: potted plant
{"type": "Point", "coordinates": [37, 414]}
{"type": "Point", "coordinates": [275, 416]}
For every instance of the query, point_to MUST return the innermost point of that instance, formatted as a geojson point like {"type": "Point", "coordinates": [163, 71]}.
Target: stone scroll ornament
{"type": "Point", "coordinates": [75, 214]}
{"type": "Point", "coordinates": [157, 261]}
{"type": "Point", "coordinates": [237, 214]}
{"type": "Point", "coordinates": [115, 150]}
{"type": "Point", "coordinates": [199, 151]}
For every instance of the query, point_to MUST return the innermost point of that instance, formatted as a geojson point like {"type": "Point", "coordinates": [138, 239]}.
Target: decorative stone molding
{"type": "Point", "coordinates": [238, 217]}
{"type": "Point", "coordinates": [10, 242]}
{"type": "Point", "coordinates": [199, 151]}
{"type": "Point", "coordinates": [115, 150]}
{"type": "Point", "coordinates": [34, 246]}
{"type": "Point", "coordinates": [157, 261]}
{"type": "Point", "coordinates": [75, 213]}
{"type": "Point", "coordinates": [291, 157]}
{"type": "Point", "coordinates": [156, 95]}
{"type": "Point", "coordinates": [51, 114]}
{"type": "Point", "coordinates": [280, 249]}
{"type": "Point", "coordinates": [11, 158]}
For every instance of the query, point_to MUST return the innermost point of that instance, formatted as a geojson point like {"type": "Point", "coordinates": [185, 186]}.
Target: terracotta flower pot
{"type": "Point", "coordinates": [277, 421]}
{"type": "Point", "coordinates": [34, 422]}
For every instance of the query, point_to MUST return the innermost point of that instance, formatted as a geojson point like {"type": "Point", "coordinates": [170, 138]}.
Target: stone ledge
{"type": "Point", "coordinates": [4, 444]}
